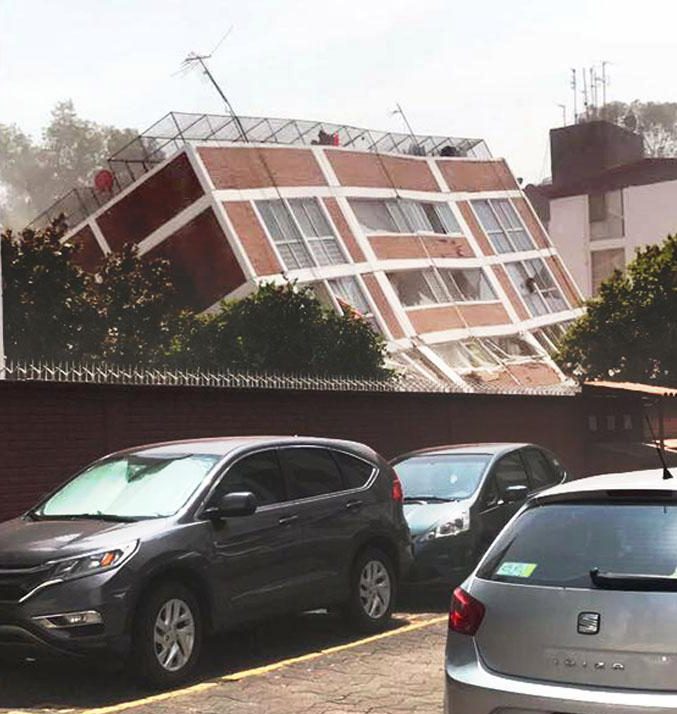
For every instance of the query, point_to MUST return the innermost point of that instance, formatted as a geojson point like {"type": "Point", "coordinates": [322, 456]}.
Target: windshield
{"type": "Point", "coordinates": [134, 486]}
{"type": "Point", "coordinates": [561, 544]}
{"type": "Point", "coordinates": [443, 476]}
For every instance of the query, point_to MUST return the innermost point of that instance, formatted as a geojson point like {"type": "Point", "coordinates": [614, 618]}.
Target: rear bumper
{"type": "Point", "coordinates": [472, 689]}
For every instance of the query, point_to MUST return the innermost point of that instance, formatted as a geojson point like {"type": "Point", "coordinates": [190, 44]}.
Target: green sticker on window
{"type": "Point", "coordinates": [517, 570]}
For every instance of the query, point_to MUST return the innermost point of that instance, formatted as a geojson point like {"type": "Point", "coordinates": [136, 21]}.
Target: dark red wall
{"type": "Point", "coordinates": [48, 430]}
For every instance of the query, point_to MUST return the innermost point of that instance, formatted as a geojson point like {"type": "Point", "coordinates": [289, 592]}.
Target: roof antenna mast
{"type": "Point", "coordinates": [661, 453]}
{"type": "Point", "coordinates": [201, 60]}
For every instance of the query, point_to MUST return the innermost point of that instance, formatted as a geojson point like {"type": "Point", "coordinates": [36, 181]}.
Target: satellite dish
{"type": "Point", "coordinates": [103, 181]}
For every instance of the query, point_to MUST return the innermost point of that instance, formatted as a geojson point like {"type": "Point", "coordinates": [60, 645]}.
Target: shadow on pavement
{"type": "Point", "coordinates": [64, 684]}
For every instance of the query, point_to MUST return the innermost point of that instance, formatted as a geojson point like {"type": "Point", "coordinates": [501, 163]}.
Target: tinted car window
{"type": "Point", "coordinates": [311, 472]}
{"type": "Point", "coordinates": [560, 544]}
{"type": "Point", "coordinates": [259, 473]}
{"type": "Point", "coordinates": [355, 472]}
{"type": "Point", "coordinates": [510, 471]}
{"type": "Point", "coordinates": [541, 470]}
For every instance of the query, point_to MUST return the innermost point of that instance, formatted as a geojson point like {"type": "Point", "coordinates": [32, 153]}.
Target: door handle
{"type": "Point", "coordinates": [353, 504]}
{"type": "Point", "coordinates": [287, 520]}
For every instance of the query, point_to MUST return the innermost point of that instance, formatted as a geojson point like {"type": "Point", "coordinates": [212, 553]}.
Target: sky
{"type": "Point", "coordinates": [487, 68]}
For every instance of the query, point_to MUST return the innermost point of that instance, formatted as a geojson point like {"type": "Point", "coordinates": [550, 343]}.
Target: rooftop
{"type": "Point", "coordinates": [175, 129]}
{"type": "Point", "coordinates": [637, 173]}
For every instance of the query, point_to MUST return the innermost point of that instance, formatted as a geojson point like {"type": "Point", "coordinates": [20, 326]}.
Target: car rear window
{"type": "Point", "coordinates": [356, 472]}
{"type": "Point", "coordinates": [559, 544]}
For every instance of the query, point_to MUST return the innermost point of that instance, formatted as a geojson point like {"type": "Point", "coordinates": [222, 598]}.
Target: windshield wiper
{"type": "Point", "coordinates": [90, 516]}
{"type": "Point", "coordinates": [434, 499]}
{"type": "Point", "coordinates": [632, 581]}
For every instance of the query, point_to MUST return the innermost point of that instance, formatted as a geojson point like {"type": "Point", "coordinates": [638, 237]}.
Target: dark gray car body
{"type": "Point", "coordinates": [289, 556]}
{"type": "Point", "coordinates": [447, 561]}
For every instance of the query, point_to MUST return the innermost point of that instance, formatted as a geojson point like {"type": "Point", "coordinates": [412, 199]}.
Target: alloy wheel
{"type": "Point", "coordinates": [174, 635]}
{"type": "Point", "coordinates": [375, 589]}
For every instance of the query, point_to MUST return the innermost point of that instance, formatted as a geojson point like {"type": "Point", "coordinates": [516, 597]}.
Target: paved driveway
{"type": "Point", "coordinates": [302, 664]}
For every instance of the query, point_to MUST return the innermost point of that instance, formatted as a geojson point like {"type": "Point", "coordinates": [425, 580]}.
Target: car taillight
{"type": "Point", "coordinates": [466, 613]}
{"type": "Point", "coordinates": [398, 494]}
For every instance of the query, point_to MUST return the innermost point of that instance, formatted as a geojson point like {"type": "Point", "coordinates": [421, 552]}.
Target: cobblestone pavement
{"type": "Point", "coordinates": [302, 664]}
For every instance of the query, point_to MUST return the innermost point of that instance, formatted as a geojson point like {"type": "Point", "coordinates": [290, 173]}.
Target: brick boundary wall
{"type": "Point", "coordinates": [49, 430]}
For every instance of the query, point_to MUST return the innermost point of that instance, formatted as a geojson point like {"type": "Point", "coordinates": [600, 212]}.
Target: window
{"type": "Point", "coordinates": [468, 285]}
{"type": "Point", "coordinates": [597, 207]}
{"type": "Point", "coordinates": [542, 472]}
{"type": "Point", "coordinates": [418, 288]}
{"type": "Point", "coordinates": [503, 226]}
{"type": "Point", "coordinates": [465, 355]}
{"type": "Point", "coordinates": [404, 216]}
{"type": "Point", "coordinates": [604, 264]}
{"type": "Point", "coordinates": [549, 336]}
{"type": "Point", "coordinates": [301, 233]}
{"type": "Point", "coordinates": [448, 476]}
{"type": "Point", "coordinates": [317, 231]}
{"type": "Point", "coordinates": [534, 283]}
{"type": "Point", "coordinates": [312, 472]}
{"type": "Point", "coordinates": [510, 348]}
{"type": "Point", "coordinates": [135, 486]}
{"type": "Point", "coordinates": [356, 472]}
{"type": "Point", "coordinates": [510, 472]}
{"type": "Point", "coordinates": [566, 541]}
{"type": "Point", "coordinates": [260, 474]}
{"type": "Point", "coordinates": [350, 297]}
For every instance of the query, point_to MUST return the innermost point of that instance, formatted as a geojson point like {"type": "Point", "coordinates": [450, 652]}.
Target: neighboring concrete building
{"type": "Point", "coordinates": [606, 199]}
{"type": "Point", "coordinates": [429, 238]}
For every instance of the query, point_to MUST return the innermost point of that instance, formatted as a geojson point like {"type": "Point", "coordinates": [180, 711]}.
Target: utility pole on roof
{"type": "Point", "coordinates": [574, 86]}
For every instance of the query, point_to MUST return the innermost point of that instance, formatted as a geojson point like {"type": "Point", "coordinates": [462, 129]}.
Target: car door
{"type": "Point", "coordinates": [255, 563]}
{"type": "Point", "coordinates": [495, 512]}
{"type": "Point", "coordinates": [330, 514]}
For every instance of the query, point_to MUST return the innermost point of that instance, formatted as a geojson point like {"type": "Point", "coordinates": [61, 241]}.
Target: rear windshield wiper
{"type": "Point", "coordinates": [632, 581]}
{"type": "Point", "coordinates": [435, 499]}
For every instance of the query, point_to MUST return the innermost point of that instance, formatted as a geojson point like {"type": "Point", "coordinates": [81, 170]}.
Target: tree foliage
{"type": "Point", "coordinates": [53, 310]}
{"type": "Point", "coordinates": [629, 331]}
{"type": "Point", "coordinates": [656, 121]}
{"type": "Point", "coordinates": [283, 329]}
{"type": "Point", "coordinates": [130, 314]}
{"type": "Point", "coordinates": [34, 174]}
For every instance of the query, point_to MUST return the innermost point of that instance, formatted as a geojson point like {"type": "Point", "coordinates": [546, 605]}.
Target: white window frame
{"type": "Point", "coordinates": [398, 210]}
{"type": "Point", "coordinates": [538, 290]}
{"type": "Point", "coordinates": [505, 231]}
{"type": "Point", "coordinates": [306, 241]}
{"type": "Point", "coordinates": [437, 286]}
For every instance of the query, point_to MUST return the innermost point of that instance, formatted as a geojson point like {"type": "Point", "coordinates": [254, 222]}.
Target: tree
{"type": "Point", "coordinates": [629, 331]}
{"type": "Point", "coordinates": [282, 329]}
{"type": "Point", "coordinates": [656, 121]}
{"type": "Point", "coordinates": [126, 314]}
{"type": "Point", "coordinates": [45, 296]}
{"type": "Point", "coordinates": [33, 175]}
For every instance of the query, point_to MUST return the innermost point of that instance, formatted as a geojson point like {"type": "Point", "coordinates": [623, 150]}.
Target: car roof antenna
{"type": "Point", "coordinates": [661, 450]}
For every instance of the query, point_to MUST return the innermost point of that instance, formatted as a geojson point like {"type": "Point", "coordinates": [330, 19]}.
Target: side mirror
{"type": "Point", "coordinates": [240, 503]}
{"type": "Point", "coordinates": [512, 494]}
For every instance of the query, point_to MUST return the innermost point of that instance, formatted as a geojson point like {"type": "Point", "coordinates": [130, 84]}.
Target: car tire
{"type": "Point", "coordinates": [372, 591]}
{"type": "Point", "coordinates": [167, 636]}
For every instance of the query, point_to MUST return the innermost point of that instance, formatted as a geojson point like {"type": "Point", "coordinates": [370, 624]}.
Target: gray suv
{"type": "Point", "coordinates": [147, 550]}
{"type": "Point", "coordinates": [574, 607]}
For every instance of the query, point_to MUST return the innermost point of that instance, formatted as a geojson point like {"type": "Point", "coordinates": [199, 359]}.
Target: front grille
{"type": "Point", "coordinates": [16, 583]}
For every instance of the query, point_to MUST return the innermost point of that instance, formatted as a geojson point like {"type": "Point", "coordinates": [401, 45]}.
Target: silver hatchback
{"type": "Point", "coordinates": [573, 610]}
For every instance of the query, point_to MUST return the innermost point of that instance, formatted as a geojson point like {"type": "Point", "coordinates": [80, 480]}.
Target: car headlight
{"type": "Point", "coordinates": [92, 562]}
{"type": "Point", "coordinates": [453, 527]}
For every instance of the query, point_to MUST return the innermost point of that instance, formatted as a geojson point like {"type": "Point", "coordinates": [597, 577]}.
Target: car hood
{"type": "Point", "coordinates": [422, 517]}
{"type": "Point", "coordinates": [27, 543]}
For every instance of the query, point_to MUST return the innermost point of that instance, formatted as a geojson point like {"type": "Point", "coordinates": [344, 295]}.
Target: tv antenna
{"type": "Point", "coordinates": [193, 59]}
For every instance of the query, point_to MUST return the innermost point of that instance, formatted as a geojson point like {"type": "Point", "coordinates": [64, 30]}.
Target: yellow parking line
{"type": "Point", "coordinates": [257, 671]}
